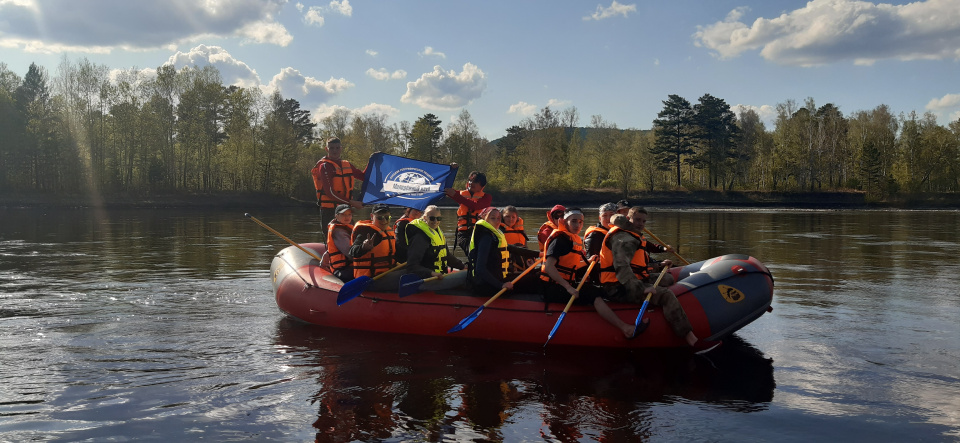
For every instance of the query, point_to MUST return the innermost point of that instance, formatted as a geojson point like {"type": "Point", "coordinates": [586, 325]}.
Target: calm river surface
{"type": "Point", "coordinates": [160, 324]}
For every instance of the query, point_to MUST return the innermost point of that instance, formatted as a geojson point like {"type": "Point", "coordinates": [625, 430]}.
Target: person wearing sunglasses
{"type": "Point", "coordinates": [472, 200]}
{"type": "Point", "coordinates": [428, 254]}
{"type": "Point", "coordinates": [374, 249]}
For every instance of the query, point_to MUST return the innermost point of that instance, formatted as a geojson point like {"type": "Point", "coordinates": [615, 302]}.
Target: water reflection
{"type": "Point", "coordinates": [380, 386]}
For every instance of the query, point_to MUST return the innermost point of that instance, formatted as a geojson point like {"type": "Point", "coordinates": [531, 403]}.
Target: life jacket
{"type": "Point", "coordinates": [567, 264]}
{"type": "Point", "coordinates": [638, 262]}
{"type": "Point", "coordinates": [338, 259]}
{"type": "Point", "coordinates": [551, 226]}
{"type": "Point", "coordinates": [400, 230]}
{"type": "Point", "coordinates": [597, 230]}
{"type": "Point", "coordinates": [436, 257]}
{"type": "Point", "coordinates": [493, 261]}
{"type": "Point", "coordinates": [514, 234]}
{"type": "Point", "coordinates": [466, 219]}
{"type": "Point", "coordinates": [341, 182]}
{"type": "Point", "coordinates": [378, 259]}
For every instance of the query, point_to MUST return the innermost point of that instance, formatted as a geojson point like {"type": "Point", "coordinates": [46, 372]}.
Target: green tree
{"type": "Point", "coordinates": [715, 133]}
{"type": "Point", "coordinates": [425, 137]}
{"type": "Point", "coordinates": [674, 131]}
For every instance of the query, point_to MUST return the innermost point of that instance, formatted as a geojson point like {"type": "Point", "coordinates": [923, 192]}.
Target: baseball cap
{"type": "Point", "coordinates": [341, 209]}
{"type": "Point", "coordinates": [379, 207]}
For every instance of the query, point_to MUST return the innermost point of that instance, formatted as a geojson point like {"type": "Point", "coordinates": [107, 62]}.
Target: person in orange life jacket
{"type": "Point", "coordinates": [374, 248]}
{"type": "Point", "coordinates": [625, 273]}
{"type": "Point", "coordinates": [338, 243]}
{"type": "Point", "coordinates": [553, 216]}
{"type": "Point", "coordinates": [564, 266]}
{"type": "Point", "coordinates": [593, 238]}
{"type": "Point", "coordinates": [409, 215]}
{"type": "Point", "coordinates": [487, 255]}
{"type": "Point", "coordinates": [512, 227]}
{"type": "Point", "coordinates": [333, 177]}
{"type": "Point", "coordinates": [623, 207]}
{"type": "Point", "coordinates": [472, 200]}
{"type": "Point", "coordinates": [428, 254]}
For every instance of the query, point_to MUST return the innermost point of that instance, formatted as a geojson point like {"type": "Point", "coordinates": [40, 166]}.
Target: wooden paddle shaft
{"type": "Point", "coordinates": [281, 236]}
{"type": "Point", "coordinates": [647, 231]}
{"type": "Point", "coordinates": [522, 274]}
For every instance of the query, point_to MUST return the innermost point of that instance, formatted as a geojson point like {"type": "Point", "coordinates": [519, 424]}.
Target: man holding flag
{"type": "Point", "coordinates": [333, 177]}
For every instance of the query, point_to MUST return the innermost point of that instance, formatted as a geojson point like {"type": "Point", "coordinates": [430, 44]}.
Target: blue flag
{"type": "Point", "coordinates": [405, 182]}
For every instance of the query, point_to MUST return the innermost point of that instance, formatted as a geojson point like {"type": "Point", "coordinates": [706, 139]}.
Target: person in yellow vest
{"type": "Point", "coordinates": [428, 254]}
{"type": "Point", "coordinates": [339, 231]}
{"type": "Point", "coordinates": [553, 216]}
{"type": "Point", "coordinates": [625, 274]}
{"type": "Point", "coordinates": [409, 215]}
{"type": "Point", "coordinates": [334, 177]}
{"type": "Point", "coordinates": [488, 256]}
{"type": "Point", "coordinates": [564, 268]}
{"type": "Point", "coordinates": [374, 249]}
{"type": "Point", "coordinates": [472, 200]}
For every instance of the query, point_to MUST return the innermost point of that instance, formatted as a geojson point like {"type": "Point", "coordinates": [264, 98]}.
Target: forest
{"type": "Point", "coordinates": [87, 129]}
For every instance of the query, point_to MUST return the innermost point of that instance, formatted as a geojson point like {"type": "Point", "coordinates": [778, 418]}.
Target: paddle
{"type": "Point", "coordinates": [636, 324]}
{"type": "Point", "coordinates": [281, 236]}
{"type": "Point", "coordinates": [410, 283]}
{"type": "Point", "coordinates": [470, 318]}
{"type": "Point", "coordinates": [647, 231]}
{"type": "Point", "coordinates": [569, 302]}
{"type": "Point", "coordinates": [353, 288]}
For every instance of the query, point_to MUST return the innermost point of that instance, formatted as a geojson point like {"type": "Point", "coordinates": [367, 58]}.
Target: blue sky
{"type": "Point", "coordinates": [505, 60]}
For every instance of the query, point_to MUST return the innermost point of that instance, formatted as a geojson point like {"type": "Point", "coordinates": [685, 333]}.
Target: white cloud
{"type": "Point", "coordinates": [944, 103]}
{"type": "Point", "coordinates": [522, 108]}
{"type": "Point", "coordinates": [291, 83]}
{"type": "Point", "coordinates": [102, 26]}
{"type": "Point", "coordinates": [442, 89]}
{"type": "Point", "coordinates": [232, 71]}
{"type": "Point", "coordinates": [557, 103]}
{"type": "Point", "coordinates": [767, 113]}
{"type": "Point", "coordinates": [383, 74]}
{"type": "Point", "coordinates": [429, 51]}
{"type": "Point", "coordinates": [314, 16]}
{"type": "Point", "coordinates": [827, 31]}
{"type": "Point", "coordinates": [323, 111]}
{"type": "Point", "coordinates": [342, 7]}
{"type": "Point", "coordinates": [372, 53]}
{"type": "Point", "coordinates": [610, 11]}
{"type": "Point", "coordinates": [299, 6]}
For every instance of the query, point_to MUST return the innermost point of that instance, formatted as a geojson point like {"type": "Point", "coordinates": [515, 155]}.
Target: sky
{"type": "Point", "coordinates": [504, 61]}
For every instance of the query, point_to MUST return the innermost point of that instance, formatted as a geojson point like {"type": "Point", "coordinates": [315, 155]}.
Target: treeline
{"type": "Point", "coordinates": [88, 130]}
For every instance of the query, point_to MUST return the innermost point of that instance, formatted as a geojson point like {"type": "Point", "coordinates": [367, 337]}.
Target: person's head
{"type": "Point", "coordinates": [334, 148]}
{"type": "Point", "coordinates": [431, 215]}
{"type": "Point", "coordinates": [621, 221]}
{"type": "Point", "coordinates": [607, 210]}
{"type": "Point", "coordinates": [556, 213]}
{"type": "Point", "coordinates": [412, 213]}
{"type": "Point", "coordinates": [476, 181]}
{"type": "Point", "coordinates": [344, 214]}
{"type": "Point", "coordinates": [622, 207]}
{"type": "Point", "coordinates": [491, 215]}
{"type": "Point", "coordinates": [572, 220]}
{"type": "Point", "coordinates": [380, 215]}
{"type": "Point", "coordinates": [638, 218]}
{"type": "Point", "coordinates": [510, 215]}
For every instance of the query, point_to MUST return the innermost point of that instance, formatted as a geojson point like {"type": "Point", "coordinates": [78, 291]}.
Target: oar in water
{"type": "Point", "coordinates": [353, 288]}
{"type": "Point", "coordinates": [410, 283]}
{"type": "Point", "coordinates": [569, 303]}
{"type": "Point", "coordinates": [636, 324]}
{"type": "Point", "coordinates": [281, 236]}
{"type": "Point", "coordinates": [647, 231]}
{"type": "Point", "coordinates": [470, 318]}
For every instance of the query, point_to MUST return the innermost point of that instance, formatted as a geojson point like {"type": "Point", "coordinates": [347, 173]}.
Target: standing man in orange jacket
{"type": "Point", "coordinates": [472, 200]}
{"type": "Point", "coordinates": [334, 177]}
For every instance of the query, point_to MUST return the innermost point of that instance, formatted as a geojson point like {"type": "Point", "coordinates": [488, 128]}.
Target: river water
{"type": "Point", "coordinates": [160, 324]}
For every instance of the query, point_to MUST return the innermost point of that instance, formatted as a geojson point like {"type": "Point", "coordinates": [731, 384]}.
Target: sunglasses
{"type": "Point", "coordinates": [383, 217]}
{"type": "Point", "coordinates": [438, 218]}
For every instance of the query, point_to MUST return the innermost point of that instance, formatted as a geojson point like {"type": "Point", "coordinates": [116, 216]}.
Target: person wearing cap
{"type": "Point", "coordinates": [488, 256]}
{"type": "Point", "coordinates": [565, 264]}
{"type": "Point", "coordinates": [593, 238]}
{"type": "Point", "coordinates": [623, 207]}
{"type": "Point", "coordinates": [374, 249]}
{"type": "Point", "coordinates": [338, 243]}
{"type": "Point", "coordinates": [428, 254]}
{"type": "Point", "coordinates": [553, 216]}
{"type": "Point", "coordinates": [625, 274]}
{"type": "Point", "coordinates": [334, 177]}
{"type": "Point", "coordinates": [399, 229]}
{"type": "Point", "coordinates": [472, 200]}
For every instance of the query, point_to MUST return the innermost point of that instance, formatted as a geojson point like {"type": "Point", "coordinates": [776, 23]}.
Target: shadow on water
{"type": "Point", "coordinates": [391, 386]}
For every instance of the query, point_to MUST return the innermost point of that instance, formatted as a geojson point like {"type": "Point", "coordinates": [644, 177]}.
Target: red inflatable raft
{"type": "Point", "coordinates": [720, 296]}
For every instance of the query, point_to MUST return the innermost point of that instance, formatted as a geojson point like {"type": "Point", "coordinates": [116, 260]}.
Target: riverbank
{"type": "Point", "coordinates": [583, 198]}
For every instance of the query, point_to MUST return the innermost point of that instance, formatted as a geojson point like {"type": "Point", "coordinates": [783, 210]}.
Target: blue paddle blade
{"type": "Point", "coordinates": [636, 324]}
{"type": "Point", "coordinates": [466, 321]}
{"type": "Point", "coordinates": [554, 330]}
{"type": "Point", "coordinates": [352, 289]}
{"type": "Point", "coordinates": [409, 285]}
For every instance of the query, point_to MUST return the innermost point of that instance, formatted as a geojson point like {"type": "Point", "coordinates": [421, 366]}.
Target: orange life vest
{"type": "Point", "coordinates": [568, 264]}
{"type": "Point", "coordinates": [638, 262]}
{"type": "Point", "coordinates": [466, 219]}
{"type": "Point", "coordinates": [378, 259]}
{"type": "Point", "coordinates": [338, 259]}
{"type": "Point", "coordinates": [341, 182]}
{"type": "Point", "coordinates": [514, 234]}
{"type": "Point", "coordinates": [552, 227]}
